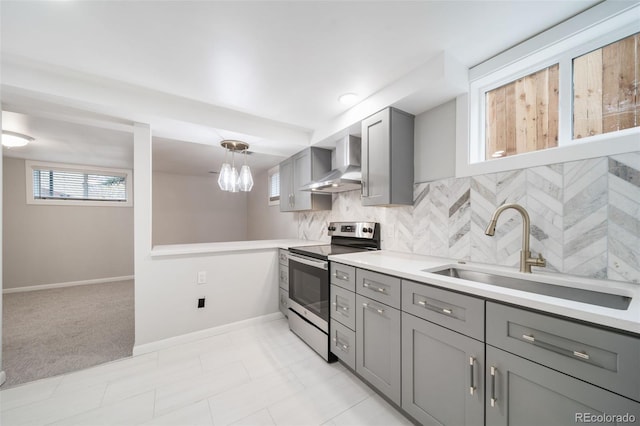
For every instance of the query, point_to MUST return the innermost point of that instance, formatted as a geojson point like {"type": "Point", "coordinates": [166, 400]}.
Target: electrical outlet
{"type": "Point", "coordinates": [202, 277]}
{"type": "Point", "coordinates": [201, 303]}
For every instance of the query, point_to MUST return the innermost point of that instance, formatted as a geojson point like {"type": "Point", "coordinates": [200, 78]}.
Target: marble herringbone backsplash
{"type": "Point", "coordinates": [585, 217]}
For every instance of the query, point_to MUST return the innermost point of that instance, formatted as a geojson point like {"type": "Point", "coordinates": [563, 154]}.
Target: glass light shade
{"type": "Point", "coordinates": [13, 139]}
{"type": "Point", "coordinates": [224, 177]}
{"type": "Point", "coordinates": [234, 181]}
{"type": "Point", "coordinates": [246, 180]}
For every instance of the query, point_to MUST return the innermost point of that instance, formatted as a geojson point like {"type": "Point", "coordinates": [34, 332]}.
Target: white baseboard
{"type": "Point", "coordinates": [3, 377]}
{"type": "Point", "coordinates": [67, 284]}
{"type": "Point", "coordinates": [201, 334]}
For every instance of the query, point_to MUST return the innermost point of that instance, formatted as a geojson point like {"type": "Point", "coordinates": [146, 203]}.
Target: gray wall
{"type": "Point", "coordinates": [192, 209]}
{"type": "Point", "coordinates": [265, 222]}
{"type": "Point", "coordinates": [435, 143]}
{"type": "Point", "coordinates": [59, 244]}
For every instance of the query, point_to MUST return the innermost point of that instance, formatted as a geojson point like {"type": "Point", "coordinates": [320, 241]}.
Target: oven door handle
{"type": "Point", "coordinates": [320, 264]}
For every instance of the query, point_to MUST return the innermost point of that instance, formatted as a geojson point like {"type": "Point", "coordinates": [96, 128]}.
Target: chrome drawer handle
{"type": "Point", "coordinates": [342, 346]}
{"type": "Point", "coordinates": [581, 354]}
{"type": "Point", "coordinates": [424, 303]}
{"type": "Point", "coordinates": [472, 387]}
{"type": "Point", "coordinates": [528, 338]}
{"type": "Point", "coordinates": [380, 311]}
{"type": "Point", "coordinates": [344, 308]}
{"type": "Point", "coordinates": [379, 289]}
{"type": "Point", "coordinates": [494, 400]}
{"type": "Point", "coordinates": [341, 276]}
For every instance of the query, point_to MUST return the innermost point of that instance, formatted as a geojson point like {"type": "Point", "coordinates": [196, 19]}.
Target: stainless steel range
{"type": "Point", "coordinates": [309, 280]}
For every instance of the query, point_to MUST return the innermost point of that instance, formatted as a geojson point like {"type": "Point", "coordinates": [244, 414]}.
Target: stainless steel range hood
{"type": "Point", "coordinates": [346, 176]}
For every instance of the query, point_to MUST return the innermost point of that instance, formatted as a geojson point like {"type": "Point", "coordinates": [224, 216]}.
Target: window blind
{"type": "Point", "coordinates": [274, 185]}
{"type": "Point", "coordinates": [77, 185]}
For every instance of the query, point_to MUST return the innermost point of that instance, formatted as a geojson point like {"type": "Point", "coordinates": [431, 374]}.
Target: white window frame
{"type": "Point", "coordinates": [272, 171]}
{"type": "Point", "coordinates": [595, 28]}
{"type": "Point", "coordinates": [31, 165]}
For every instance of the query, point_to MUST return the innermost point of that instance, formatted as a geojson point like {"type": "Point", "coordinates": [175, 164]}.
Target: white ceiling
{"type": "Point", "coordinates": [263, 70]}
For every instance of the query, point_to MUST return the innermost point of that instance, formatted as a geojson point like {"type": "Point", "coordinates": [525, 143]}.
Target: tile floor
{"type": "Point", "coordinates": [259, 375]}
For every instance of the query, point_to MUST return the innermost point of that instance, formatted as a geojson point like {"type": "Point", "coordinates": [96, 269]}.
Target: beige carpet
{"type": "Point", "coordinates": [50, 332]}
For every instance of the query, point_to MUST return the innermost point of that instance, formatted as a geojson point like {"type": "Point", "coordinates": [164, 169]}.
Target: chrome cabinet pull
{"type": "Point", "coordinates": [557, 349]}
{"type": "Point", "coordinates": [424, 304]}
{"type": "Point", "coordinates": [341, 346]}
{"type": "Point", "coordinates": [380, 311]}
{"type": "Point", "coordinates": [494, 400]}
{"type": "Point", "coordinates": [366, 284]}
{"type": "Point", "coordinates": [582, 355]}
{"type": "Point", "coordinates": [472, 387]}
{"type": "Point", "coordinates": [341, 276]}
{"type": "Point", "coordinates": [528, 337]}
{"type": "Point", "coordinates": [340, 308]}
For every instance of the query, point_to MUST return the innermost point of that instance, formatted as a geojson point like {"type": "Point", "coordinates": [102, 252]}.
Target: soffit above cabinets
{"type": "Point", "coordinates": [272, 71]}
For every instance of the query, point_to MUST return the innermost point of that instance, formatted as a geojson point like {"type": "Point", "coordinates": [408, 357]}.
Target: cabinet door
{"type": "Point", "coordinates": [522, 393]}
{"type": "Point", "coordinates": [376, 163]}
{"type": "Point", "coordinates": [301, 176]}
{"type": "Point", "coordinates": [378, 346]}
{"type": "Point", "coordinates": [442, 374]}
{"type": "Point", "coordinates": [283, 303]}
{"type": "Point", "coordinates": [286, 186]}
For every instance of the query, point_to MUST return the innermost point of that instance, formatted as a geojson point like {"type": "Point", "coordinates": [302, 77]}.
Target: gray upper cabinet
{"type": "Point", "coordinates": [299, 170]}
{"type": "Point", "coordinates": [442, 374]}
{"type": "Point", "coordinates": [387, 158]}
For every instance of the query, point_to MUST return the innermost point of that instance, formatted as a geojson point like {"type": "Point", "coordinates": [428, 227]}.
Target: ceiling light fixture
{"type": "Point", "coordinates": [348, 98]}
{"type": "Point", "coordinates": [230, 180]}
{"type": "Point", "coordinates": [14, 139]}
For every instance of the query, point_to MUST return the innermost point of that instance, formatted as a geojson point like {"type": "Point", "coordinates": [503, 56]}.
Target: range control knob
{"type": "Point", "coordinates": [371, 230]}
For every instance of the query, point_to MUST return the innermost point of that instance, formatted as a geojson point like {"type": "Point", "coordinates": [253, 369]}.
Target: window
{"type": "Point", "coordinates": [274, 185]}
{"type": "Point", "coordinates": [522, 116]}
{"type": "Point", "coordinates": [63, 184]}
{"type": "Point", "coordinates": [569, 93]}
{"type": "Point", "coordinates": [605, 89]}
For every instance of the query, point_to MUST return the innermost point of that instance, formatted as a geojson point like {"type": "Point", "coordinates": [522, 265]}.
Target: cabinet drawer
{"type": "Point", "coordinates": [283, 257]}
{"type": "Point", "coordinates": [604, 358]}
{"type": "Point", "coordinates": [283, 279]}
{"type": "Point", "coordinates": [343, 343]}
{"type": "Point", "coordinates": [342, 306]}
{"type": "Point", "coordinates": [343, 276]}
{"type": "Point", "coordinates": [283, 302]}
{"type": "Point", "coordinates": [464, 314]}
{"type": "Point", "coordinates": [380, 287]}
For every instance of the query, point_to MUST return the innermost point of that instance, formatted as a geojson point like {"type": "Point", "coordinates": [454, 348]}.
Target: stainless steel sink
{"type": "Point", "coordinates": [607, 300]}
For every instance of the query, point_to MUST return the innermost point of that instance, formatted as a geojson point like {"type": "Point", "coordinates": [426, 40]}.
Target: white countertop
{"type": "Point", "coordinates": [227, 247]}
{"type": "Point", "coordinates": [412, 267]}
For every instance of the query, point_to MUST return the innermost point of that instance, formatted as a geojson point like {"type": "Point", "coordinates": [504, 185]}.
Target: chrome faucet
{"type": "Point", "coordinates": [526, 261]}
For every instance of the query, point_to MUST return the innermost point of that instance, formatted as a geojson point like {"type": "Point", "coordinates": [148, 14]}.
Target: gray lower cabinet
{"type": "Point", "coordinates": [442, 374]}
{"type": "Point", "coordinates": [283, 302]}
{"type": "Point", "coordinates": [378, 346]}
{"type": "Point", "coordinates": [523, 393]}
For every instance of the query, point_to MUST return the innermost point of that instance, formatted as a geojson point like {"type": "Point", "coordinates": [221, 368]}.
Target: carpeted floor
{"type": "Point", "coordinates": [51, 332]}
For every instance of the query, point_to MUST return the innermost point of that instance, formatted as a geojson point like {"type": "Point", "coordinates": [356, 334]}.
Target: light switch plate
{"type": "Point", "coordinates": [202, 277]}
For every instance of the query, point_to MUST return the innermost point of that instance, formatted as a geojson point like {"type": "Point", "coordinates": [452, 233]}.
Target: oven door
{"type": "Point", "coordinates": [309, 289]}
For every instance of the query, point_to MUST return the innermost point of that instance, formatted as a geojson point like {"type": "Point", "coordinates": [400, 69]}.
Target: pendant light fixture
{"type": "Point", "coordinates": [230, 180]}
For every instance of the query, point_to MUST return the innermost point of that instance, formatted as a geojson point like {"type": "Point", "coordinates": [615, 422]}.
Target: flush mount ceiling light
{"type": "Point", "coordinates": [14, 139]}
{"type": "Point", "coordinates": [348, 98]}
{"type": "Point", "coordinates": [230, 180]}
